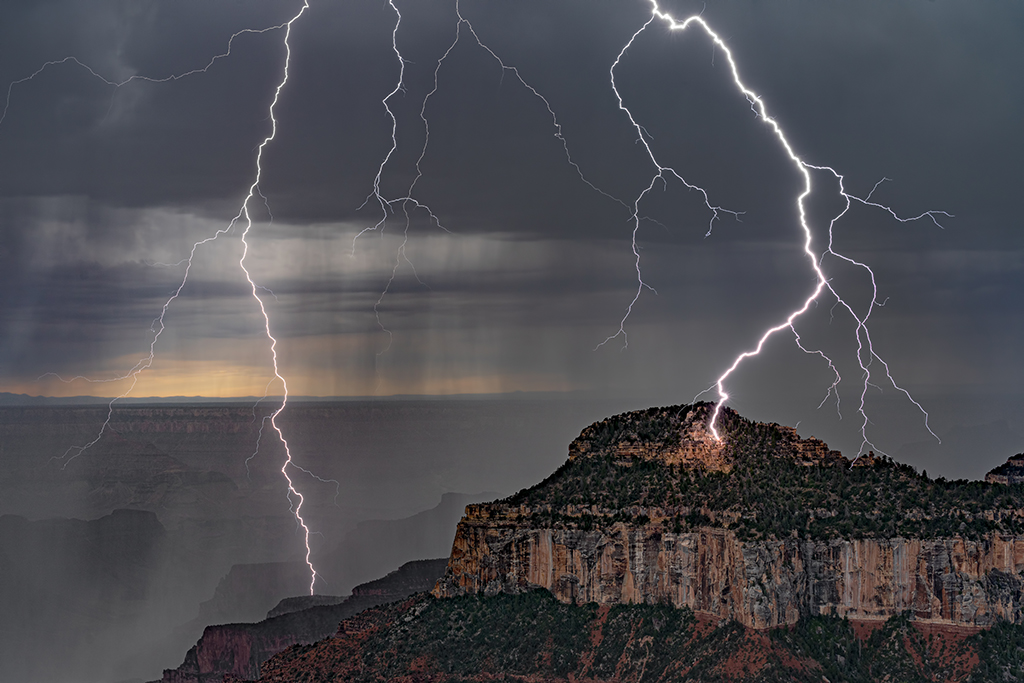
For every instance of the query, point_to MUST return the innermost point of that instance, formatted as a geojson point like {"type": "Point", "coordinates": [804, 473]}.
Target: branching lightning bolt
{"type": "Point", "coordinates": [295, 498]}
{"type": "Point", "coordinates": [387, 204]}
{"type": "Point", "coordinates": [135, 77]}
{"type": "Point", "coordinates": [866, 354]}
{"type": "Point", "coordinates": [662, 175]}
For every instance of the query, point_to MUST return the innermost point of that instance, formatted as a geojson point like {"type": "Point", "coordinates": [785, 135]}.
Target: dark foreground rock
{"type": "Point", "coordinates": [241, 649]}
{"type": "Point", "coordinates": [531, 637]}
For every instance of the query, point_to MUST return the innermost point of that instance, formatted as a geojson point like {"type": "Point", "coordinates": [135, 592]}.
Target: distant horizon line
{"type": "Point", "coordinates": [13, 399]}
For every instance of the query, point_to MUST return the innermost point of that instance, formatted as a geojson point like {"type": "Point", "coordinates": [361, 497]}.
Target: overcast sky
{"type": "Point", "coordinates": [104, 189]}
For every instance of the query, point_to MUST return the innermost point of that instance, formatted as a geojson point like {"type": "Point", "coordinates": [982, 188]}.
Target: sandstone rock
{"type": "Point", "coordinates": [760, 584]}
{"type": "Point", "coordinates": [637, 555]}
{"type": "Point", "coordinates": [1010, 472]}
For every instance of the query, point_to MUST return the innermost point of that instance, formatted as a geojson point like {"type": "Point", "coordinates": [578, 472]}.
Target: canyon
{"type": "Point", "coordinates": [241, 649]}
{"type": "Point", "coordinates": [659, 552]}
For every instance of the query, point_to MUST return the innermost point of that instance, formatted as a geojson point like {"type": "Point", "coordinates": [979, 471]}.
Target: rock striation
{"type": "Point", "coordinates": [1010, 472]}
{"type": "Point", "coordinates": [760, 584]}
{"type": "Point", "coordinates": [730, 529]}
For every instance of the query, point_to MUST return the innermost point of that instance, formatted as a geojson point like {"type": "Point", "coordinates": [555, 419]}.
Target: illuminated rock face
{"type": "Point", "coordinates": [1010, 472]}
{"type": "Point", "coordinates": [568, 536]}
{"type": "Point", "coordinates": [760, 584]}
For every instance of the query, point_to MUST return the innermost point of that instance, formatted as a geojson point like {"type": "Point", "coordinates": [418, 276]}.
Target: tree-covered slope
{"type": "Point", "coordinates": [761, 480]}
{"type": "Point", "coordinates": [532, 637]}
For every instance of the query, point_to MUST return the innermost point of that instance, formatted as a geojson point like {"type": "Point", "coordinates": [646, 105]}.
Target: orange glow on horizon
{"type": "Point", "coordinates": [212, 379]}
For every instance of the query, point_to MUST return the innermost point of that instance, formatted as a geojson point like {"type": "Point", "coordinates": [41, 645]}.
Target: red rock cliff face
{"type": "Point", "coordinates": [634, 553]}
{"type": "Point", "coordinates": [760, 584]}
{"type": "Point", "coordinates": [240, 650]}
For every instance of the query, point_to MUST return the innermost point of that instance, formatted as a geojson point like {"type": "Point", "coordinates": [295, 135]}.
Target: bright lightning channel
{"type": "Point", "coordinates": [295, 498]}
{"type": "Point", "coordinates": [299, 499]}
{"type": "Point", "coordinates": [866, 354]}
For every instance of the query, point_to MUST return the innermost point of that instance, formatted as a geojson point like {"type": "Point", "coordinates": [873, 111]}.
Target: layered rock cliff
{"type": "Point", "coordinates": [761, 526]}
{"type": "Point", "coordinates": [241, 649]}
{"type": "Point", "coordinates": [1010, 472]}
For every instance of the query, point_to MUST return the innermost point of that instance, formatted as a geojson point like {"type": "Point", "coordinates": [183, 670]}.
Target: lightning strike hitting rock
{"type": "Point", "coordinates": [865, 354]}
{"type": "Point", "coordinates": [295, 498]}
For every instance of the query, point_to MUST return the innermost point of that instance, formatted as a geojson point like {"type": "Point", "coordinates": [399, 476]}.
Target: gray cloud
{"type": "Point", "coordinates": [98, 186]}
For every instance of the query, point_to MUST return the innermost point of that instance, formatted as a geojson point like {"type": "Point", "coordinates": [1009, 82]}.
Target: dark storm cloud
{"type": "Point", "coordinates": [141, 144]}
{"type": "Point", "coordinates": [96, 183]}
{"type": "Point", "coordinates": [104, 190]}
{"type": "Point", "coordinates": [493, 163]}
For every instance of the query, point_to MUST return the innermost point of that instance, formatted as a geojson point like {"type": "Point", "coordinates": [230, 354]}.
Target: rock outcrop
{"type": "Point", "coordinates": [760, 584]}
{"type": "Point", "coordinates": [1010, 472]}
{"type": "Point", "coordinates": [240, 650]}
{"type": "Point", "coordinates": [585, 545]}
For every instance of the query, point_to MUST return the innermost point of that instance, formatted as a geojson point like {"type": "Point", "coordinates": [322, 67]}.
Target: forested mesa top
{"type": "Point", "coordinates": [680, 435]}
{"type": "Point", "coordinates": [761, 480]}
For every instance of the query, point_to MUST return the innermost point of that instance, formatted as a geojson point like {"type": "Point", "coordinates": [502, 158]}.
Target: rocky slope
{"type": "Point", "coordinates": [762, 527]}
{"type": "Point", "coordinates": [241, 649]}
{"type": "Point", "coordinates": [1010, 472]}
{"type": "Point", "coordinates": [531, 637]}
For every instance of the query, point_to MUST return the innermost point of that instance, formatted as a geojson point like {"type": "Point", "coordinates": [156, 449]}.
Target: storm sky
{"type": "Point", "coordinates": [104, 189]}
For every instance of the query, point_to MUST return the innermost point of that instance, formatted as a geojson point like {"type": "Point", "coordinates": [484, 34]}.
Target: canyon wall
{"type": "Point", "coordinates": [240, 650]}
{"type": "Point", "coordinates": [761, 584]}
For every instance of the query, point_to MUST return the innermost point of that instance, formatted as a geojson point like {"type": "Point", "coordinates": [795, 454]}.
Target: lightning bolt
{"type": "Point", "coordinates": [71, 59]}
{"type": "Point", "coordinates": [243, 217]}
{"type": "Point", "coordinates": [866, 355]}
{"type": "Point", "coordinates": [294, 496]}
{"type": "Point", "coordinates": [662, 175]}
{"type": "Point", "coordinates": [387, 204]}
{"type": "Point", "coordinates": [867, 358]}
